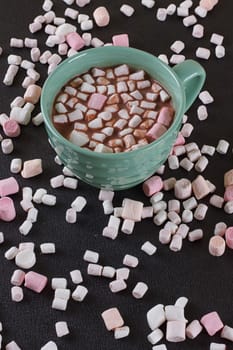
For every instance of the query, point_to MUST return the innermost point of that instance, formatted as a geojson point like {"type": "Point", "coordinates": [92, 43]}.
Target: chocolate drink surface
{"type": "Point", "coordinates": [112, 110]}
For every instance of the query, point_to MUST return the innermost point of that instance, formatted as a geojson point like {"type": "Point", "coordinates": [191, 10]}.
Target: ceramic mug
{"type": "Point", "coordinates": [119, 171]}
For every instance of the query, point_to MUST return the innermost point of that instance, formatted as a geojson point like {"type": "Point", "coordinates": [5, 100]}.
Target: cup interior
{"type": "Point", "coordinates": [107, 57]}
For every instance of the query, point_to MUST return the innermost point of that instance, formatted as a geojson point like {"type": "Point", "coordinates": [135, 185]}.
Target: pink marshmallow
{"type": "Point", "coordinates": [32, 168]}
{"type": "Point", "coordinates": [7, 209]}
{"type": "Point", "coordinates": [18, 277]}
{"type": "Point", "coordinates": [35, 281]}
{"type": "Point", "coordinates": [153, 185]}
{"type": "Point", "coordinates": [156, 131]}
{"type": "Point", "coordinates": [228, 195]}
{"type": "Point", "coordinates": [212, 323]}
{"type": "Point", "coordinates": [75, 41]}
{"type": "Point", "coordinates": [229, 237]}
{"type": "Point", "coordinates": [112, 319]}
{"type": "Point", "coordinates": [96, 101]}
{"type": "Point", "coordinates": [120, 40]}
{"type": "Point", "coordinates": [180, 140]}
{"type": "Point", "coordinates": [11, 128]}
{"type": "Point", "coordinates": [208, 4]}
{"type": "Point", "coordinates": [165, 116]}
{"type": "Point", "coordinates": [8, 186]}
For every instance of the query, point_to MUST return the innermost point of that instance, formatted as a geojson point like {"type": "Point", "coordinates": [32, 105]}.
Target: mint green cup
{"type": "Point", "coordinates": [121, 170]}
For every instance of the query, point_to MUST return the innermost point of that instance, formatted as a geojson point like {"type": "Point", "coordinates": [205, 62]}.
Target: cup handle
{"type": "Point", "coordinates": [192, 76]}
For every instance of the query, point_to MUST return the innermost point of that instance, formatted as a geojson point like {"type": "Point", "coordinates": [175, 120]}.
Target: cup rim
{"type": "Point", "coordinates": [120, 155]}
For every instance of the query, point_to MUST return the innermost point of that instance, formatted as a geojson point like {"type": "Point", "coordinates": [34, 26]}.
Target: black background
{"type": "Point", "coordinates": [205, 280]}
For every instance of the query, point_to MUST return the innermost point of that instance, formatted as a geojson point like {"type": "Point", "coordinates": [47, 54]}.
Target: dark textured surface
{"type": "Point", "coordinates": [205, 280]}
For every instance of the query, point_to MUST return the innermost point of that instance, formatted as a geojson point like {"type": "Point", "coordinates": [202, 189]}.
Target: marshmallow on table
{"type": "Point", "coordinates": [193, 329]}
{"type": "Point", "coordinates": [217, 346]}
{"type": "Point", "coordinates": [48, 248]}
{"type": "Point", "coordinates": [205, 97]}
{"type": "Point", "coordinates": [94, 269]}
{"type": "Point", "coordinates": [208, 4]}
{"type": "Point", "coordinates": [203, 53]}
{"type": "Point", "coordinates": [130, 260]}
{"type": "Point", "coordinates": [7, 209]}
{"type": "Point", "coordinates": [200, 11]}
{"type": "Point", "coordinates": [132, 210]}
{"type": "Point", "coordinates": [200, 187]}
{"type": "Point", "coordinates": [120, 40]}
{"type": "Point", "coordinates": [183, 189]}
{"type": "Point", "coordinates": [147, 212]}
{"type": "Point", "coordinates": [8, 186]}
{"type": "Point", "coordinates": [216, 201]}
{"type": "Point", "coordinates": [62, 293]}
{"type": "Point", "coordinates": [16, 294]}
{"type": "Point", "coordinates": [228, 178]}
{"type": "Point", "coordinates": [127, 10]}
{"type": "Point", "coordinates": [198, 31]}
{"type": "Point", "coordinates": [79, 203]}
{"type": "Point", "coordinates": [117, 286]}
{"type": "Point", "coordinates": [25, 259]}
{"type": "Point", "coordinates": [76, 276]}
{"type": "Point", "coordinates": [32, 168]}
{"type": "Point", "coordinates": [18, 277]}
{"type": "Point", "coordinates": [153, 185]}
{"type": "Point", "coordinates": [140, 290]}
{"type": "Point", "coordinates": [59, 283]}
{"type": "Point", "coordinates": [177, 46]}
{"type": "Point", "coordinates": [128, 226]}
{"type": "Point", "coordinates": [161, 14]}
{"type": "Point", "coordinates": [189, 21]}
{"type": "Point", "coordinates": [212, 323]}
{"type": "Point", "coordinates": [175, 331]}
{"type": "Point", "coordinates": [121, 332]}
{"type": "Point", "coordinates": [174, 313]}
{"type": "Point", "coordinates": [200, 211]}
{"type": "Point", "coordinates": [35, 281]}
{"type": "Point", "coordinates": [101, 16]}
{"type": "Point", "coordinates": [112, 319]}
{"type": "Point", "coordinates": [108, 271]}
{"type": "Point", "coordinates": [7, 146]}
{"type": "Point", "coordinates": [220, 229]}
{"type": "Point", "coordinates": [227, 333]}
{"type": "Point", "coordinates": [91, 256]}
{"type": "Point", "coordinates": [181, 302]}
{"type": "Point", "coordinates": [11, 253]}
{"type": "Point", "coordinates": [155, 336]}
{"type": "Point", "coordinates": [49, 346]}
{"type": "Point", "coordinates": [82, 3]}
{"type": "Point", "coordinates": [12, 346]}
{"type": "Point", "coordinates": [217, 246]}
{"type": "Point", "coordinates": [176, 243]}
{"type": "Point", "coordinates": [148, 3]}
{"type": "Point", "coordinates": [79, 293]}
{"type": "Point", "coordinates": [122, 273]}
{"type": "Point", "coordinates": [61, 329]}
{"type": "Point", "coordinates": [32, 94]}
{"type": "Point", "coordinates": [156, 316]}
{"type": "Point", "coordinates": [195, 235]}
{"type": "Point", "coordinates": [228, 194]}
{"type": "Point", "coordinates": [11, 128]}
{"type": "Point", "coordinates": [159, 347]}
{"type": "Point", "coordinates": [59, 304]}
{"type": "Point", "coordinates": [220, 51]}
{"type": "Point", "coordinates": [149, 248]}
{"type": "Point", "coordinates": [222, 146]}
{"type": "Point", "coordinates": [229, 237]}
{"type": "Point", "coordinates": [75, 41]}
